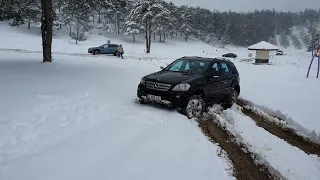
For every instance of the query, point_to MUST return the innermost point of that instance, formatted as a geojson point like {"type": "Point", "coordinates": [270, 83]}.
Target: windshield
{"type": "Point", "coordinates": [188, 66]}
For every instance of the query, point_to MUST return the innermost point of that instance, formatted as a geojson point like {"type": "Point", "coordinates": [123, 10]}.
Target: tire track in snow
{"type": "Point", "coordinates": [245, 167]}
{"type": "Point", "coordinates": [282, 159]}
{"type": "Point", "coordinates": [268, 123]}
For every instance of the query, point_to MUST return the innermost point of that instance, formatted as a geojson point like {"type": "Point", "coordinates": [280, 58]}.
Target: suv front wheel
{"type": "Point", "coordinates": [195, 107]}
{"type": "Point", "coordinates": [231, 99]}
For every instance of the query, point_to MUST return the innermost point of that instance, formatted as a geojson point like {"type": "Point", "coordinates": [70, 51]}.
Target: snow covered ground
{"type": "Point", "coordinates": [76, 117]}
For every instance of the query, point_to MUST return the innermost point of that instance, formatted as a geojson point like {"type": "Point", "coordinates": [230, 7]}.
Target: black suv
{"type": "Point", "coordinates": [191, 84]}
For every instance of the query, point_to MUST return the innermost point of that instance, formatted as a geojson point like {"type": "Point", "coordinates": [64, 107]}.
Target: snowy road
{"type": "Point", "coordinates": [76, 119]}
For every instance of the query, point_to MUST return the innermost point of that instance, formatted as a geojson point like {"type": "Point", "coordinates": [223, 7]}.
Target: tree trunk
{"type": "Point", "coordinates": [164, 36]}
{"type": "Point", "coordinates": [154, 36]}
{"type": "Point", "coordinates": [118, 24]}
{"type": "Point", "coordinates": [46, 29]}
{"type": "Point", "coordinates": [29, 24]}
{"type": "Point", "coordinates": [93, 18]}
{"type": "Point", "coordinates": [99, 17]}
{"type": "Point", "coordinates": [186, 37]}
{"type": "Point", "coordinates": [160, 37]}
{"type": "Point", "coordinates": [149, 36]}
{"type": "Point", "coordinates": [146, 36]}
{"type": "Point", "coordinates": [70, 30]}
{"type": "Point", "coordinates": [134, 37]}
{"type": "Point", "coordinates": [77, 35]}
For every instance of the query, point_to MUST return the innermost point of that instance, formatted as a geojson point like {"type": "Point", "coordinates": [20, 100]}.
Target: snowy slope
{"type": "Point", "coordinates": [76, 119]}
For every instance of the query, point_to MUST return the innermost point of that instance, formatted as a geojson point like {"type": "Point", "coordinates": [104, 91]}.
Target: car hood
{"type": "Point", "coordinates": [170, 77]}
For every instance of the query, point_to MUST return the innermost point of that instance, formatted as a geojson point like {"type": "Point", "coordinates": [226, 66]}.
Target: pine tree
{"type": "Point", "coordinates": [132, 28]}
{"type": "Point", "coordinates": [77, 14]}
{"type": "Point", "coordinates": [163, 24]}
{"type": "Point", "coordinates": [146, 11]}
{"type": "Point", "coordinates": [58, 13]}
{"type": "Point", "coordinates": [314, 39]}
{"type": "Point", "coordinates": [186, 27]}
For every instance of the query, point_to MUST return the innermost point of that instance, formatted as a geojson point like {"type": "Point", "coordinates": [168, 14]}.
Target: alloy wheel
{"type": "Point", "coordinates": [194, 108]}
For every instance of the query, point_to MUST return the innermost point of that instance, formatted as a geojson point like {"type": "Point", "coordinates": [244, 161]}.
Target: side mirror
{"type": "Point", "coordinates": [161, 67]}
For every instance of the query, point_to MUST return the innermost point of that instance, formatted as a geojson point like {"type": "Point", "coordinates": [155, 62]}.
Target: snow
{"type": "Point", "coordinates": [263, 45]}
{"type": "Point", "coordinates": [283, 90]}
{"type": "Point", "coordinates": [76, 118]}
{"type": "Point", "coordinates": [291, 162]}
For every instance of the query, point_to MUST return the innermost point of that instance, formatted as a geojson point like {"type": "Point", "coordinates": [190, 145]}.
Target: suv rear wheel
{"type": "Point", "coordinates": [195, 107]}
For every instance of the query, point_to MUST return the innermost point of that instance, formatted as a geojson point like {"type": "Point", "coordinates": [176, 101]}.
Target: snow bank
{"type": "Point", "coordinates": [288, 121]}
{"type": "Point", "coordinates": [289, 161]}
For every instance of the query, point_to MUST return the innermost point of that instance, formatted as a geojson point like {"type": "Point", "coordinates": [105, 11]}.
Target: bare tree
{"type": "Point", "coordinates": [46, 29]}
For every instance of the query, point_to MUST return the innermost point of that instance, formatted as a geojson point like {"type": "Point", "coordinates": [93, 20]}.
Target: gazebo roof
{"type": "Point", "coordinates": [263, 45]}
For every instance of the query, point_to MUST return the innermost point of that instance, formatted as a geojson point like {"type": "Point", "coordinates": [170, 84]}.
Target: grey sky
{"type": "Point", "coordinates": [249, 5]}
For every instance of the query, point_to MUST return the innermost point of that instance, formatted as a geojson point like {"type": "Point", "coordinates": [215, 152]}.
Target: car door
{"type": "Point", "coordinates": [108, 49]}
{"type": "Point", "coordinates": [113, 48]}
{"type": "Point", "coordinates": [226, 79]}
{"type": "Point", "coordinates": [214, 85]}
{"type": "Point", "coordinates": [103, 49]}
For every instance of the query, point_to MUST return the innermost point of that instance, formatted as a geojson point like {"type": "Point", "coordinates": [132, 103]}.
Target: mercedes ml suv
{"type": "Point", "coordinates": [192, 84]}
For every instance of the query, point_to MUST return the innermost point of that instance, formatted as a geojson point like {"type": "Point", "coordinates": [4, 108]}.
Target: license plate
{"type": "Point", "coordinates": [153, 97]}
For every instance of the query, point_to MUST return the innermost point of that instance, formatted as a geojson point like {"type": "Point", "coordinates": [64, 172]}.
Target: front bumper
{"type": "Point", "coordinates": [170, 98]}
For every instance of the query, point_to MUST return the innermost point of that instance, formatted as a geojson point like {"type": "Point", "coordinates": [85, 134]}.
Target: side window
{"type": "Point", "coordinates": [224, 68]}
{"type": "Point", "coordinates": [215, 67]}
{"type": "Point", "coordinates": [176, 66]}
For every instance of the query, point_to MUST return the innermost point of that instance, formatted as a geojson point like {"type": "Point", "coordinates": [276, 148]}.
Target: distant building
{"type": "Point", "coordinates": [263, 51]}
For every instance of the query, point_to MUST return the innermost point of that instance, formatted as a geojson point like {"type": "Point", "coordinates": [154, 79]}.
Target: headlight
{"type": "Point", "coordinates": [181, 87]}
{"type": "Point", "coordinates": [143, 81]}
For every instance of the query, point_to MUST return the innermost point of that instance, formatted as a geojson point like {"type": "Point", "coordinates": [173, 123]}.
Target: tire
{"type": "Point", "coordinates": [232, 98]}
{"type": "Point", "coordinates": [96, 52]}
{"type": "Point", "coordinates": [141, 101]}
{"type": "Point", "coordinates": [195, 107]}
{"type": "Point", "coordinates": [115, 53]}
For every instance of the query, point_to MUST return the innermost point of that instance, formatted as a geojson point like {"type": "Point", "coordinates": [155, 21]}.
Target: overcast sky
{"type": "Point", "coordinates": [249, 5]}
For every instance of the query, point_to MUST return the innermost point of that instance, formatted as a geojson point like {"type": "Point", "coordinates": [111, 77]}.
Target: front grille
{"type": "Point", "coordinates": [158, 86]}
